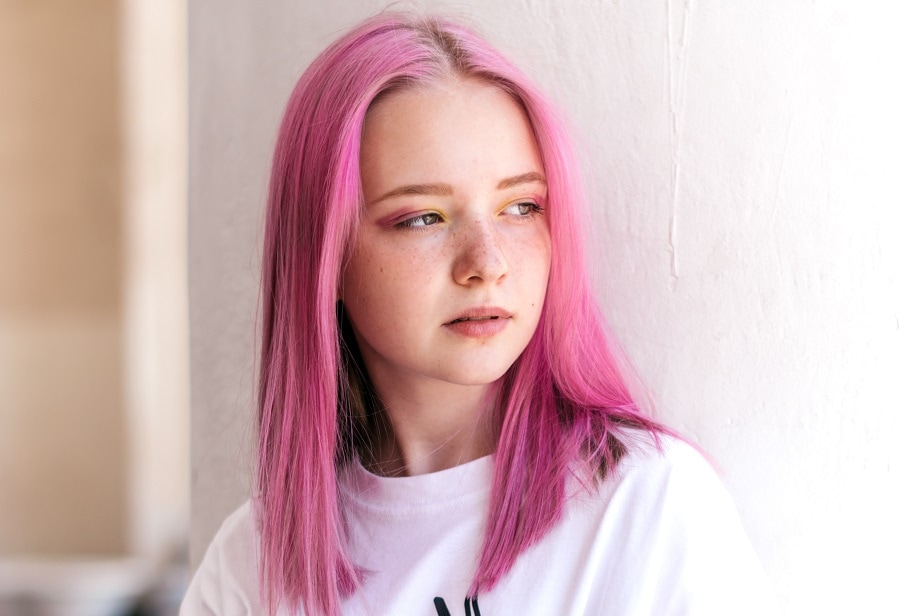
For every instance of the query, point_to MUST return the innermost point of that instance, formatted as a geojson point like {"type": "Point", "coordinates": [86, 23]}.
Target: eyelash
{"type": "Point", "coordinates": [418, 223]}
{"type": "Point", "coordinates": [409, 222]}
{"type": "Point", "coordinates": [533, 208]}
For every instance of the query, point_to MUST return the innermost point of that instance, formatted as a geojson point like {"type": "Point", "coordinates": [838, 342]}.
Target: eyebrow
{"type": "Point", "coordinates": [440, 190]}
{"type": "Point", "coordinates": [526, 178]}
{"type": "Point", "coordinates": [445, 190]}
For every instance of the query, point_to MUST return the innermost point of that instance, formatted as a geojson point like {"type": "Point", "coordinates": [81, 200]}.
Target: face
{"type": "Point", "coordinates": [446, 282]}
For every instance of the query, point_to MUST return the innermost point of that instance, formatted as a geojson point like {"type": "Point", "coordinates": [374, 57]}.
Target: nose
{"type": "Point", "coordinates": [479, 256]}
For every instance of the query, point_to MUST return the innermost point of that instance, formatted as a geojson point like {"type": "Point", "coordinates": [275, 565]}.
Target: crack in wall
{"type": "Point", "coordinates": [676, 69]}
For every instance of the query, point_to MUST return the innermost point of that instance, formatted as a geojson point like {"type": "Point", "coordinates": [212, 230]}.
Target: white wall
{"type": "Point", "coordinates": [743, 158]}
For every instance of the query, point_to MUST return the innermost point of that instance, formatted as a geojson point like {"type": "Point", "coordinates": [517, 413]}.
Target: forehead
{"type": "Point", "coordinates": [459, 131]}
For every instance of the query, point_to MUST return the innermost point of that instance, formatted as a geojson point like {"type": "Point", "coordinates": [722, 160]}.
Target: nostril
{"type": "Point", "coordinates": [480, 257]}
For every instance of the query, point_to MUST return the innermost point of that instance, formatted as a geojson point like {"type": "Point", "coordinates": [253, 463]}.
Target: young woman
{"type": "Point", "coordinates": [444, 423]}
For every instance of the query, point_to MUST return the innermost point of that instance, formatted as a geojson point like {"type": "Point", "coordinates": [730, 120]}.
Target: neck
{"type": "Point", "coordinates": [430, 427]}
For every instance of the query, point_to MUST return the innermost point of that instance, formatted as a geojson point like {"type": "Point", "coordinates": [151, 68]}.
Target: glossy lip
{"type": "Point", "coordinates": [486, 321]}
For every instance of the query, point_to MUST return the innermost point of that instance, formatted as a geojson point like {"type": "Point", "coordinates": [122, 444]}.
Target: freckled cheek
{"type": "Point", "coordinates": [388, 276]}
{"type": "Point", "coordinates": [531, 253]}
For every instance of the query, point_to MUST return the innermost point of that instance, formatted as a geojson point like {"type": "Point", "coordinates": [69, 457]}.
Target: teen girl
{"type": "Point", "coordinates": [444, 425]}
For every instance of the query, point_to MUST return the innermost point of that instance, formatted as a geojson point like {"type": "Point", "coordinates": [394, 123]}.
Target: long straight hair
{"type": "Point", "coordinates": [564, 399]}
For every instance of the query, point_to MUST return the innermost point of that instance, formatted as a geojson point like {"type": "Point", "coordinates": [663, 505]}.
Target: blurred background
{"type": "Point", "coordinates": [93, 313]}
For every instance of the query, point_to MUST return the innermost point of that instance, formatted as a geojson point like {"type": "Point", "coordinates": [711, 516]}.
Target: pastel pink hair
{"type": "Point", "coordinates": [564, 399]}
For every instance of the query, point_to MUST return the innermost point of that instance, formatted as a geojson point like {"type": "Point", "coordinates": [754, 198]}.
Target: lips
{"type": "Point", "coordinates": [482, 322]}
{"type": "Point", "coordinates": [462, 319]}
{"type": "Point", "coordinates": [482, 313]}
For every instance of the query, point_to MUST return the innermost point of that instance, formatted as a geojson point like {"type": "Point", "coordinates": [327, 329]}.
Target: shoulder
{"type": "Point", "coordinates": [669, 469]}
{"type": "Point", "coordinates": [659, 535]}
{"type": "Point", "coordinates": [659, 484]}
{"type": "Point", "coordinates": [676, 517]}
{"type": "Point", "coordinates": [227, 581]}
{"type": "Point", "coordinates": [654, 469]}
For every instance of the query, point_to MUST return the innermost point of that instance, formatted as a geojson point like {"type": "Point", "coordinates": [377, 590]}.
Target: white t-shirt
{"type": "Point", "coordinates": [661, 536]}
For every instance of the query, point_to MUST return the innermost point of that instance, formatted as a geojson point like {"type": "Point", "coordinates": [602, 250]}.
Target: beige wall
{"type": "Point", "coordinates": [93, 277]}
{"type": "Point", "coordinates": [62, 453]}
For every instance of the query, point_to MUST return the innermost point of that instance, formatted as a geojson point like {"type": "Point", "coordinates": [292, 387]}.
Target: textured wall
{"type": "Point", "coordinates": [741, 157]}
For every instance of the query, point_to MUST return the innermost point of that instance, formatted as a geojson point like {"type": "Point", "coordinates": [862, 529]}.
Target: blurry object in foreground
{"type": "Point", "coordinates": [89, 587]}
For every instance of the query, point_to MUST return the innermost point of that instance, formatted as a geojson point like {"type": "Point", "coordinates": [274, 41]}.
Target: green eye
{"type": "Point", "coordinates": [423, 220]}
{"type": "Point", "coordinates": [524, 209]}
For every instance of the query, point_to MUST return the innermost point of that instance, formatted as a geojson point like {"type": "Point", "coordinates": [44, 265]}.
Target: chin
{"type": "Point", "coordinates": [482, 375]}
